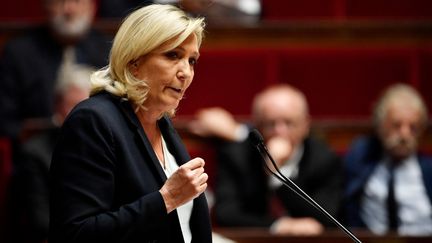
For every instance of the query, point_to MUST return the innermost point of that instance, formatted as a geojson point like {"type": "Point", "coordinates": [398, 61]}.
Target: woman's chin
{"type": "Point", "coordinates": [173, 105]}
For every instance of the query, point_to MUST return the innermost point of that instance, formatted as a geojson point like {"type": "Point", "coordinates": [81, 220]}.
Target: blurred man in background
{"type": "Point", "coordinates": [389, 183]}
{"type": "Point", "coordinates": [29, 64]}
{"type": "Point", "coordinates": [245, 195]}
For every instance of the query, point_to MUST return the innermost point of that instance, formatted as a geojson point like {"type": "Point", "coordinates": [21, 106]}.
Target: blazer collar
{"type": "Point", "coordinates": [170, 135]}
{"type": "Point", "coordinates": [128, 112]}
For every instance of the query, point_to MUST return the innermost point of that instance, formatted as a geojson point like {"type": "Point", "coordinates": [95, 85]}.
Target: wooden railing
{"type": "Point", "coordinates": [260, 235]}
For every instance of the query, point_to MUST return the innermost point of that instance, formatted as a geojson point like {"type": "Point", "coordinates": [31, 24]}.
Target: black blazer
{"type": "Point", "coordinates": [105, 179]}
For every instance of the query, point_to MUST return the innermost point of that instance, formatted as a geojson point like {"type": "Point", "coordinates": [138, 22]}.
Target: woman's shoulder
{"type": "Point", "coordinates": [102, 106]}
{"type": "Point", "coordinates": [100, 102]}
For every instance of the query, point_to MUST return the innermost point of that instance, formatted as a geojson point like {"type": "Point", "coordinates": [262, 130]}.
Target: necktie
{"type": "Point", "coordinates": [392, 207]}
{"type": "Point", "coordinates": [277, 208]}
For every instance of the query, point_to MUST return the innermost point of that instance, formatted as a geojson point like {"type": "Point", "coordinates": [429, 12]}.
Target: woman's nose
{"type": "Point", "coordinates": [185, 71]}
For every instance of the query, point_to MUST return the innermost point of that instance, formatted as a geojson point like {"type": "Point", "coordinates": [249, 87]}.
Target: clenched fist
{"type": "Point", "coordinates": [185, 184]}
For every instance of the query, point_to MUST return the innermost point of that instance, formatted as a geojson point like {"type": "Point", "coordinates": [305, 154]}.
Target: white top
{"type": "Point", "coordinates": [184, 212]}
{"type": "Point", "coordinates": [414, 207]}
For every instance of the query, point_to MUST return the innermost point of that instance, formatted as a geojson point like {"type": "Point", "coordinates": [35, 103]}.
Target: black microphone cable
{"type": "Point", "coordinates": [258, 141]}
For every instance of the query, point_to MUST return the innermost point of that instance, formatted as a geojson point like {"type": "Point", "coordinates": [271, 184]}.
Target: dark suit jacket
{"type": "Point", "coordinates": [105, 179]}
{"type": "Point", "coordinates": [360, 162]}
{"type": "Point", "coordinates": [242, 193]}
{"type": "Point", "coordinates": [28, 72]}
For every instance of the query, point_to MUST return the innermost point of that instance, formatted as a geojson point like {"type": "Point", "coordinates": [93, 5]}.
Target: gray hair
{"type": "Point", "coordinates": [399, 93]}
{"type": "Point", "coordinates": [73, 75]}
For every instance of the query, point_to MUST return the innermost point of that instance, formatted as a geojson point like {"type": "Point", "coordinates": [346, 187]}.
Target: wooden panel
{"type": "Point", "coordinates": [426, 76]}
{"type": "Point", "coordinates": [260, 235]}
{"type": "Point", "coordinates": [294, 9]}
{"type": "Point", "coordinates": [339, 82]}
{"type": "Point", "coordinates": [21, 10]}
{"type": "Point", "coordinates": [346, 9]}
{"type": "Point", "coordinates": [344, 82]}
{"type": "Point", "coordinates": [341, 68]}
{"type": "Point", "coordinates": [389, 9]}
{"type": "Point", "coordinates": [227, 78]}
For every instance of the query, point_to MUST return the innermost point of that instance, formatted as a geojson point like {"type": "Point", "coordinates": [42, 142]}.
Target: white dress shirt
{"type": "Point", "coordinates": [414, 206]}
{"type": "Point", "coordinates": [184, 212]}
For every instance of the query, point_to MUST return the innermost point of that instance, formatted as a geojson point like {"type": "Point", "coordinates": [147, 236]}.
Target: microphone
{"type": "Point", "coordinates": [258, 141]}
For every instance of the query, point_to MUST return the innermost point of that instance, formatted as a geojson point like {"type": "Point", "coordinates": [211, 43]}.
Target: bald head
{"type": "Point", "coordinates": [282, 110]}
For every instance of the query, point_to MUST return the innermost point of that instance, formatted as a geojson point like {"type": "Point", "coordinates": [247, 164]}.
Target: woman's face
{"type": "Point", "coordinates": [168, 73]}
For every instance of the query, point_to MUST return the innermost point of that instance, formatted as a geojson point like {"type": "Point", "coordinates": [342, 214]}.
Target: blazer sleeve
{"type": "Point", "coordinates": [82, 179]}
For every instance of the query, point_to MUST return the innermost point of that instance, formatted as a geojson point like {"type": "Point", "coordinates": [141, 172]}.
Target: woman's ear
{"type": "Point", "coordinates": [133, 68]}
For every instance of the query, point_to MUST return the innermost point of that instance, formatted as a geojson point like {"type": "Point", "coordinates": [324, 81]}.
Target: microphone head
{"type": "Point", "coordinates": [255, 137]}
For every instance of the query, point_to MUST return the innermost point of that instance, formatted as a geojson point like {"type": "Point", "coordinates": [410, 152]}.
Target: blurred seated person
{"type": "Point", "coordinates": [389, 184]}
{"type": "Point", "coordinates": [215, 11]}
{"type": "Point", "coordinates": [245, 195]}
{"type": "Point", "coordinates": [30, 63]}
{"type": "Point", "coordinates": [30, 212]}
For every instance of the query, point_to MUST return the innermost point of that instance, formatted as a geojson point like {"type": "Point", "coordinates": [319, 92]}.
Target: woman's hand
{"type": "Point", "coordinates": [187, 183]}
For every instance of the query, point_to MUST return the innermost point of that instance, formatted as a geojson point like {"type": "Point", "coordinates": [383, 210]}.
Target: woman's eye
{"type": "Point", "coordinates": [172, 55]}
{"type": "Point", "coordinates": [193, 61]}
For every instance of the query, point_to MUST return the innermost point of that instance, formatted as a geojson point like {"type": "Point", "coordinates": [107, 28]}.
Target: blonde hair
{"type": "Point", "coordinates": [144, 30]}
{"type": "Point", "coordinates": [403, 94]}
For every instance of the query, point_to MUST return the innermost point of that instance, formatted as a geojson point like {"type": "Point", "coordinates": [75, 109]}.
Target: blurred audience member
{"type": "Point", "coordinates": [30, 198]}
{"type": "Point", "coordinates": [245, 194]}
{"type": "Point", "coordinates": [215, 11]}
{"type": "Point", "coordinates": [389, 184]}
{"type": "Point", "coordinates": [29, 64]}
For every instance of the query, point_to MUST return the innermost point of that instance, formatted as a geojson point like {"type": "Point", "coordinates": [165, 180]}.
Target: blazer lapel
{"type": "Point", "coordinates": [151, 154]}
{"type": "Point", "coordinates": [132, 117]}
{"type": "Point", "coordinates": [200, 221]}
{"type": "Point", "coordinates": [173, 141]}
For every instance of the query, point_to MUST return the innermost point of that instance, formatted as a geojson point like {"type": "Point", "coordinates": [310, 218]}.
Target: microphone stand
{"type": "Point", "coordinates": [292, 186]}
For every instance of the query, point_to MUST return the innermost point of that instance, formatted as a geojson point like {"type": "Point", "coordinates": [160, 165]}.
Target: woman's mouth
{"type": "Point", "coordinates": [176, 90]}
